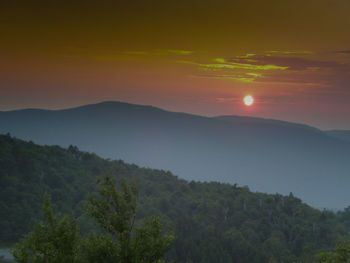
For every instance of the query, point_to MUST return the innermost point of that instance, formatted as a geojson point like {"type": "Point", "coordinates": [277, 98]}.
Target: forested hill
{"type": "Point", "coordinates": [229, 149]}
{"type": "Point", "coordinates": [213, 222]}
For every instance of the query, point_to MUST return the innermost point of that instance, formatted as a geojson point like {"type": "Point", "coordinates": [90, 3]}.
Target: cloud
{"type": "Point", "coordinates": [302, 72]}
{"type": "Point", "coordinates": [248, 55]}
{"type": "Point", "coordinates": [228, 99]}
{"type": "Point", "coordinates": [258, 99]}
{"type": "Point", "coordinates": [318, 73]}
{"type": "Point", "coordinates": [230, 70]}
{"type": "Point", "coordinates": [293, 63]}
{"type": "Point", "coordinates": [113, 55]}
{"type": "Point", "coordinates": [180, 52]}
{"type": "Point", "coordinates": [160, 52]}
{"type": "Point", "coordinates": [241, 78]}
{"type": "Point", "coordinates": [224, 64]}
{"type": "Point", "coordinates": [345, 52]}
{"type": "Point", "coordinates": [289, 52]}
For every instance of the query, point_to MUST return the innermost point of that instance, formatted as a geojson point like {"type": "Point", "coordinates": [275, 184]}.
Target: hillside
{"type": "Point", "coordinates": [269, 156]}
{"type": "Point", "coordinates": [340, 134]}
{"type": "Point", "coordinates": [213, 222]}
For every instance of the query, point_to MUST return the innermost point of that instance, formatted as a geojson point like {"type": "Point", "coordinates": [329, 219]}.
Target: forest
{"type": "Point", "coordinates": [212, 222]}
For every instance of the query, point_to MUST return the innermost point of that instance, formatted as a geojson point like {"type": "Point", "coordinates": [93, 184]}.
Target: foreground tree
{"type": "Point", "coordinates": [55, 240]}
{"type": "Point", "coordinates": [58, 240]}
{"type": "Point", "coordinates": [115, 212]}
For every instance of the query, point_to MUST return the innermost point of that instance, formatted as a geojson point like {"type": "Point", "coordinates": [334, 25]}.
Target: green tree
{"type": "Point", "coordinates": [115, 212]}
{"type": "Point", "coordinates": [58, 240]}
{"type": "Point", "coordinates": [340, 255]}
{"type": "Point", "coordinates": [55, 240]}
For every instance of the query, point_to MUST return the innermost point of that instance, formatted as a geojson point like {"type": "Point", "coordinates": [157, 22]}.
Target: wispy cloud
{"type": "Point", "coordinates": [228, 99]}
{"type": "Point", "coordinates": [180, 52]}
{"type": "Point", "coordinates": [222, 68]}
{"type": "Point", "coordinates": [241, 78]}
{"type": "Point", "coordinates": [289, 52]}
{"type": "Point", "coordinates": [344, 52]}
{"type": "Point", "coordinates": [248, 55]}
{"type": "Point", "coordinates": [113, 55]}
{"type": "Point", "coordinates": [292, 62]}
{"type": "Point", "coordinates": [159, 52]}
{"type": "Point", "coordinates": [257, 99]}
{"type": "Point", "coordinates": [224, 64]}
{"type": "Point", "coordinates": [301, 71]}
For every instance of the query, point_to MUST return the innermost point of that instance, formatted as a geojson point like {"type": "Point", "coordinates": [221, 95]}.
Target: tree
{"type": "Point", "coordinates": [340, 255]}
{"type": "Point", "coordinates": [55, 240]}
{"type": "Point", "coordinates": [58, 240]}
{"type": "Point", "coordinates": [115, 212]}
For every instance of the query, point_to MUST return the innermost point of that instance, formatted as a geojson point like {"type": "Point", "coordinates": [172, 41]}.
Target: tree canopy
{"type": "Point", "coordinates": [59, 241]}
{"type": "Point", "coordinates": [213, 222]}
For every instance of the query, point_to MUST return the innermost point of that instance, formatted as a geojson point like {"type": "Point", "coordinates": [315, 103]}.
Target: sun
{"type": "Point", "coordinates": [248, 100]}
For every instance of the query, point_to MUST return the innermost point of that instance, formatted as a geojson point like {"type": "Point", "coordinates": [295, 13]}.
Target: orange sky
{"type": "Point", "coordinates": [193, 56]}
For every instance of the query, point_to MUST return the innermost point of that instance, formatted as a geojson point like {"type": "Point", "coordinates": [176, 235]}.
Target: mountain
{"type": "Point", "coordinates": [213, 222]}
{"type": "Point", "coordinates": [269, 156]}
{"type": "Point", "coordinates": [340, 134]}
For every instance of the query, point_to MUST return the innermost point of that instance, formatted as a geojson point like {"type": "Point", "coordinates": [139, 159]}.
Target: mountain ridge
{"type": "Point", "coordinates": [269, 156]}
{"type": "Point", "coordinates": [119, 103]}
{"type": "Point", "coordinates": [343, 135]}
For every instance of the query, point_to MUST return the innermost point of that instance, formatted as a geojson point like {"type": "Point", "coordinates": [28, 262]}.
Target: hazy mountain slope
{"type": "Point", "coordinates": [340, 134]}
{"type": "Point", "coordinates": [213, 222]}
{"type": "Point", "coordinates": [246, 120]}
{"type": "Point", "coordinates": [266, 155]}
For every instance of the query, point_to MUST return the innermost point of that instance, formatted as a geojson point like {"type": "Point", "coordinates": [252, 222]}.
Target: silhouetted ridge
{"type": "Point", "coordinates": [254, 120]}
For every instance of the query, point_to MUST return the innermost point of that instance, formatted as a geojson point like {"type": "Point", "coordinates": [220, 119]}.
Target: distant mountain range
{"type": "Point", "coordinates": [340, 134]}
{"type": "Point", "coordinates": [267, 155]}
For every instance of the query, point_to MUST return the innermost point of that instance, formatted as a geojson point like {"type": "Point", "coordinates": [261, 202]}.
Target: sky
{"type": "Point", "coordinates": [200, 57]}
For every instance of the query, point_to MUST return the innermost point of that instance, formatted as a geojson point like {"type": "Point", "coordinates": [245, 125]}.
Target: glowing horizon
{"type": "Point", "coordinates": [200, 59]}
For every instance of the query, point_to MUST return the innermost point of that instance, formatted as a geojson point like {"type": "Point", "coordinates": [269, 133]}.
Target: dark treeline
{"type": "Point", "coordinates": [213, 222]}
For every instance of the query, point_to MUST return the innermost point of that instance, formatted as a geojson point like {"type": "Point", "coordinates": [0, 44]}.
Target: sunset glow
{"type": "Point", "coordinates": [177, 59]}
{"type": "Point", "coordinates": [248, 100]}
{"type": "Point", "coordinates": [232, 116]}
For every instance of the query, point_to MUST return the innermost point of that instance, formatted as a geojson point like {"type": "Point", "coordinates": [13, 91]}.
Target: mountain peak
{"type": "Point", "coordinates": [108, 105]}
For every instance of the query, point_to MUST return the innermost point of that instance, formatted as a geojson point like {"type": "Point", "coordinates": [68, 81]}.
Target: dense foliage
{"type": "Point", "coordinates": [213, 222]}
{"type": "Point", "coordinates": [340, 255]}
{"type": "Point", "coordinates": [55, 240]}
{"type": "Point", "coordinates": [59, 241]}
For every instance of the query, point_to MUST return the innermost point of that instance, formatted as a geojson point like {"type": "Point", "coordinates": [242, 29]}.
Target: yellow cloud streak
{"type": "Point", "coordinates": [229, 77]}
{"type": "Point", "coordinates": [247, 55]}
{"type": "Point", "coordinates": [254, 74]}
{"type": "Point", "coordinates": [287, 52]}
{"type": "Point", "coordinates": [239, 77]}
{"type": "Point", "coordinates": [223, 64]}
